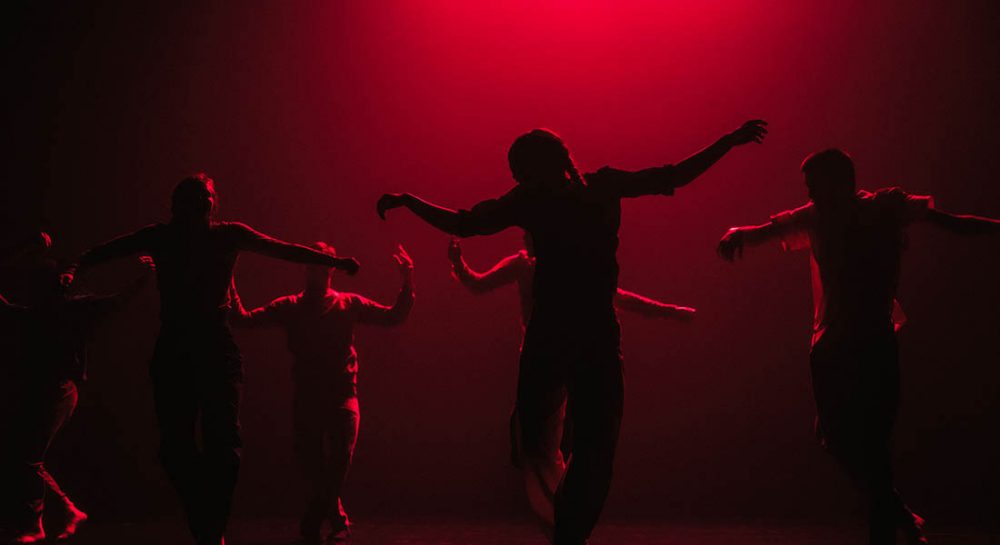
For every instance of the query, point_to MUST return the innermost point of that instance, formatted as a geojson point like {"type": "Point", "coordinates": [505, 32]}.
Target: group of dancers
{"type": "Point", "coordinates": [568, 409]}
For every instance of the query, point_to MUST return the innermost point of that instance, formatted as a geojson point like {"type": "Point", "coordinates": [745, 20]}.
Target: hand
{"type": "Point", "coordinates": [348, 265]}
{"type": "Point", "coordinates": [752, 131]}
{"type": "Point", "coordinates": [149, 266]}
{"type": "Point", "coordinates": [405, 264]}
{"type": "Point", "coordinates": [455, 251]}
{"type": "Point", "coordinates": [44, 240]}
{"type": "Point", "coordinates": [388, 202]}
{"type": "Point", "coordinates": [731, 245]}
{"type": "Point", "coordinates": [67, 277]}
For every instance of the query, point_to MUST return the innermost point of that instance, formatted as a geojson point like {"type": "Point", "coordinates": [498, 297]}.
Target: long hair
{"type": "Point", "coordinates": [542, 150]}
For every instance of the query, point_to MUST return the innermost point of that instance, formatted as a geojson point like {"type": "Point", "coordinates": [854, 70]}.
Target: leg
{"type": "Point", "coordinates": [537, 426]}
{"type": "Point", "coordinates": [596, 396]}
{"type": "Point", "coordinates": [857, 394]}
{"type": "Point", "coordinates": [343, 436]}
{"type": "Point", "coordinates": [220, 394]}
{"type": "Point", "coordinates": [46, 408]}
{"type": "Point", "coordinates": [176, 402]}
{"type": "Point", "coordinates": [309, 426]}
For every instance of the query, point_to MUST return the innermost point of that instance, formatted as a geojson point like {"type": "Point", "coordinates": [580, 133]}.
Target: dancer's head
{"type": "Point", "coordinates": [829, 176]}
{"type": "Point", "coordinates": [540, 158]}
{"type": "Point", "coordinates": [318, 276]}
{"type": "Point", "coordinates": [194, 200]}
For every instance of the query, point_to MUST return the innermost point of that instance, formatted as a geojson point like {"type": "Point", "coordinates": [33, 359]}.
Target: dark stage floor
{"type": "Point", "coordinates": [493, 532]}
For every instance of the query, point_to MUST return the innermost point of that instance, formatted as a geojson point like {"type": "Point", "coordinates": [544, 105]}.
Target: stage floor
{"type": "Point", "coordinates": [493, 532]}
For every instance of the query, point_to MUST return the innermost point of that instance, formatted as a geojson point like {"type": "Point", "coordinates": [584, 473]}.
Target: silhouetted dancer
{"type": "Point", "coordinates": [572, 338]}
{"type": "Point", "coordinates": [319, 324]}
{"type": "Point", "coordinates": [542, 476]}
{"type": "Point", "coordinates": [48, 360]}
{"type": "Point", "coordinates": [197, 370]}
{"type": "Point", "coordinates": [856, 240]}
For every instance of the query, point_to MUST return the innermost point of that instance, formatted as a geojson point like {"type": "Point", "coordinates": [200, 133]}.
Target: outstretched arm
{"type": "Point", "coordinates": [370, 312]}
{"type": "Point", "coordinates": [963, 224]}
{"type": "Point", "coordinates": [732, 243]}
{"type": "Point", "coordinates": [687, 170]}
{"type": "Point", "coordinates": [651, 308]}
{"type": "Point", "coordinates": [503, 273]}
{"type": "Point", "coordinates": [123, 246]}
{"type": "Point", "coordinates": [665, 179]}
{"type": "Point", "coordinates": [99, 307]}
{"type": "Point", "coordinates": [488, 217]}
{"type": "Point", "coordinates": [257, 242]}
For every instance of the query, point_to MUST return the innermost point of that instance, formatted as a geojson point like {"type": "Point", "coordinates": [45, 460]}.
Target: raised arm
{"type": "Point", "coordinates": [123, 246]}
{"type": "Point", "coordinates": [269, 315]}
{"type": "Point", "coordinates": [488, 217]}
{"type": "Point", "coordinates": [507, 271]}
{"type": "Point", "coordinates": [664, 180]}
{"type": "Point", "coordinates": [962, 224]}
{"type": "Point", "coordinates": [370, 312]}
{"type": "Point", "coordinates": [687, 170]}
{"type": "Point", "coordinates": [257, 242]}
{"type": "Point", "coordinates": [651, 308]}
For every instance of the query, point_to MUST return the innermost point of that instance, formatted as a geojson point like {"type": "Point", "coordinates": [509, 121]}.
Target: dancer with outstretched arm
{"type": "Point", "coordinates": [319, 324]}
{"type": "Point", "coordinates": [197, 370]}
{"type": "Point", "coordinates": [542, 478]}
{"type": "Point", "coordinates": [856, 241]}
{"type": "Point", "coordinates": [572, 340]}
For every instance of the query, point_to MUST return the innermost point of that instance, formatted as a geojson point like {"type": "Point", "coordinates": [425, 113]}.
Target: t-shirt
{"type": "Point", "coordinates": [574, 230]}
{"type": "Point", "coordinates": [320, 335]}
{"type": "Point", "coordinates": [855, 259]}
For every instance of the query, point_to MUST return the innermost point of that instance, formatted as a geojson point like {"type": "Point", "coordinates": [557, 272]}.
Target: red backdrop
{"type": "Point", "coordinates": [304, 113]}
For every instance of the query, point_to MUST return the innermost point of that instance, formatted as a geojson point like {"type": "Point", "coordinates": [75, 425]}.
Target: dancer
{"type": "Point", "coordinates": [197, 370]}
{"type": "Point", "coordinates": [856, 239]}
{"type": "Point", "coordinates": [319, 323]}
{"type": "Point", "coordinates": [572, 339]}
{"type": "Point", "coordinates": [47, 363]}
{"type": "Point", "coordinates": [541, 482]}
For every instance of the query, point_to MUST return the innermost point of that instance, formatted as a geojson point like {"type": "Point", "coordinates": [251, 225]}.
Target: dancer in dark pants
{"type": "Point", "coordinates": [856, 240]}
{"type": "Point", "coordinates": [46, 363]}
{"type": "Point", "coordinates": [542, 476]}
{"type": "Point", "coordinates": [319, 323]}
{"type": "Point", "coordinates": [196, 369]}
{"type": "Point", "coordinates": [572, 339]}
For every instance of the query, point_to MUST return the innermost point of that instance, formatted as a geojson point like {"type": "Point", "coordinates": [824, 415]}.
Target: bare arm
{"type": "Point", "coordinates": [687, 170]}
{"type": "Point", "coordinates": [257, 242]}
{"type": "Point", "coordinates": [962, 224]}
{"type": "Point", "coordinates": [370, 312]}
{"type": "Point", "coordinates": [651, 308]}
{"type": "Point", "coordinates": [123, 246]}
{"type": "Point", "coordinates": [503, 273]}
{"type": "Point", "coordinates": [268, 315]}
{"type": "Point", "coordinates": [732, 243]}
{"type": "Point", "coordinates": [487, 217]}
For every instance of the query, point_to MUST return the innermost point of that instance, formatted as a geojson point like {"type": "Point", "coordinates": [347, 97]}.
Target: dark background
{"type": "Point", "coordinates": [305, 112]}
